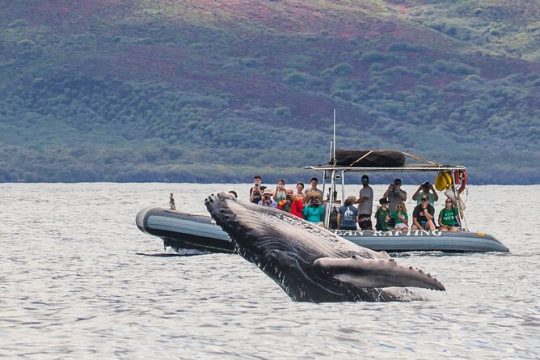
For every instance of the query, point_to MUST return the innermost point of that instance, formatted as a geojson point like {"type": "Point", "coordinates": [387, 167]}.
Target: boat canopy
{"type": "Point", "coordinates": [404, 168]}
{"type": "Point", "coordinates": [410, 163]}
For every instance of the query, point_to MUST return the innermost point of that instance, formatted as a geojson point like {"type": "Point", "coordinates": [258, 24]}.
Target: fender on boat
{"type": "Point", "coordinates": [443, 180]}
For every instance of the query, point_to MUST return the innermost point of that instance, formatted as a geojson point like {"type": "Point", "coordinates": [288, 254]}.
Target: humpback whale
{"type": "Point", "coordinates": [310, 263]}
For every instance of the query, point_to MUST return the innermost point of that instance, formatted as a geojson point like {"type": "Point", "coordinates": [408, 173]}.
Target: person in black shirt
{"type": "Point", "coordinates": [256, 191]}
{"type": "Point", "coordinates": [423, 215]}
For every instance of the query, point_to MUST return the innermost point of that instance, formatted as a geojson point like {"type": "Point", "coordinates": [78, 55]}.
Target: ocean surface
{"type": "Point", "coordinates": [74, 285]}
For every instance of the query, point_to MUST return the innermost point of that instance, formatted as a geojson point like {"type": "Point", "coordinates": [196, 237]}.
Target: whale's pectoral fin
{"type": "Point", "coordinates": [369, 273]}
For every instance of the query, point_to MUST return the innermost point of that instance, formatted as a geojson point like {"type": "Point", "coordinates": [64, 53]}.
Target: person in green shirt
{"type": "Point", "coordinates": [448, 217]}
{"type": "Point", "coordinates": [382, 216]}
{"type": "Point", "coordinates": [400, 216]}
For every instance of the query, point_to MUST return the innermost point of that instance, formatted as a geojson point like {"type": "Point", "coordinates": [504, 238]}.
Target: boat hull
{"type": "Point", "coordinates": [181, 230]}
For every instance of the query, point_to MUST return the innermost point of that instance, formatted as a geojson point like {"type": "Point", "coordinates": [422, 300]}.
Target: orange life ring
{"type": "Point", "coordinates": [460, 177]}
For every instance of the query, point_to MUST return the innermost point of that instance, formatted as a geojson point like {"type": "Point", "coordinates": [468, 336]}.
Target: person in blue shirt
{"type": "Point", "coordinates": [347, 216]}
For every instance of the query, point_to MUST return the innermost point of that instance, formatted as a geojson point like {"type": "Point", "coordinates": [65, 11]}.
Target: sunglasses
{"type": "Point", "coordinates": [424, 199]}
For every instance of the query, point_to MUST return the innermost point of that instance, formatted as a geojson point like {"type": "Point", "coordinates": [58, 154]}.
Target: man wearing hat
{"type": "Point", "coordinates": [423, 216]}
{"type": "Point", "coordinates": [382, 216]}
{"type": "Point", "coordinates": [365, 205]}
{"type": "Point", "coordinates": [426, 189]}
{"type": "Point", "coordinates": [267, 199]}
{"type": "Point", "coordinates": [395, 194]}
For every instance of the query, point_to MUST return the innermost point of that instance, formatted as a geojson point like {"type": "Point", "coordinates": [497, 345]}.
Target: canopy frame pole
{"type": "Point", "coordinates": [457, 201]}
{"type": "Point", "coordinates": [329, 205]}
{"type": "Point", "coordinates": [342, 186]}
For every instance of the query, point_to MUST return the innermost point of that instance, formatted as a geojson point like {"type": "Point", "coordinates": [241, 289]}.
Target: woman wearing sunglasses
{"type": "Point", "coordinates": [400, 217]}
{"type": "Point", "coordinates": [448, 217]}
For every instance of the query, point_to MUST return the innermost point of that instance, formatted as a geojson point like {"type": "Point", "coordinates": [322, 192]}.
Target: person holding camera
{"type": "Point", "coordinates": [292, 204]}
{"type": "Point", "coordinates": [314, 210]}
{"type": "Point", "coordinates": [267, 199]}
{"type": "Point", "coordinates": [426, 189]}
{"type": "Point", "coordinates": [280, 193]}
{"type": "Point", "coordinates": [313, 189]}
{"type": "Point", "coordinates": [423, 215]}
{"type": "Point", "coordinates": [395, 194]}
{"type": "Point", "coordinates": [256, 191]}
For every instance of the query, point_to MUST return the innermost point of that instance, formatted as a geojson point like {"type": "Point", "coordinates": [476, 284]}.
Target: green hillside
{"type": "Point", "coordinates": [213, 91]}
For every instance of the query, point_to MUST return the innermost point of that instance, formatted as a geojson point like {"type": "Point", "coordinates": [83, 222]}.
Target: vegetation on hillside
{"type": "Point", "coordinates": [216, 91]}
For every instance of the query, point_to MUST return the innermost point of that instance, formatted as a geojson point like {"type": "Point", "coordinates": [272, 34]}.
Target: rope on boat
{"type": "Point", "coordinates": [421, 159]}
{"type": "Point", "coordinates": [360, 158]}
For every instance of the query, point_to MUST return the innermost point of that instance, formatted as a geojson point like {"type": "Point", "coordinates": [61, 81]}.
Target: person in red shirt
{"type": "Point", "coordinates": [292, 204]}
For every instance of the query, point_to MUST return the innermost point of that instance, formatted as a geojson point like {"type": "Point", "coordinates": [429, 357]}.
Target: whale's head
{"type": "Point", "coordinates": [309, 262]}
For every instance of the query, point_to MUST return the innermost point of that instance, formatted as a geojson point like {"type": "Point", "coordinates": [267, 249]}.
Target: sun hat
{"type": "Point", "coordinates": [314, 194]}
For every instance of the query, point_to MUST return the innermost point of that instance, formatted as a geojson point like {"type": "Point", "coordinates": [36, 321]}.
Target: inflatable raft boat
{"type": "Point", "coordinates": [180, 230]}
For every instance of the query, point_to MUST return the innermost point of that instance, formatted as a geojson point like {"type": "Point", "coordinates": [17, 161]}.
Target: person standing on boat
{"type": "Point", "coordinates": [314, 190]}
{"type": "Point", "coordinates": [426, 189]}
{"type": "Point", "coordinates": [256, 191]}
{"type": "Point", "coordinates": [314, 210]}
{"type": "Point", "coordinates": [394, 194]}
{"type": "Point", "coordinates": [300, 189]}
{"type": "Point", "coordinates": [448, 217]}
{"type": "Point", "coordinates": [287, 203]}
{"type": "Point", "coordinates": [423, 215]}
{"type": "Point", "coordinates": [347, 216]}
{"type": "Point", "coordinates": [365, 205]}
{"type": "Point", "coordinates": [297, 206]}
{"type": "Point", "coordinates": [280, 193]}
{"type": "Point", "coordinates": [382, 215]}
{"type": "Point", "coordinates": [267, 199]}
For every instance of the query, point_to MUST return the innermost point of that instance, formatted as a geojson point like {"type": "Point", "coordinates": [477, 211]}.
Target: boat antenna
{"type": "Point", "coordinates": [334, 154]}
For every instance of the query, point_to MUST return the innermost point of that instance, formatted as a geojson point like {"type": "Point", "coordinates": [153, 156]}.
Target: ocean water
{"type": "Point", "coordinates": [73, 285]}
